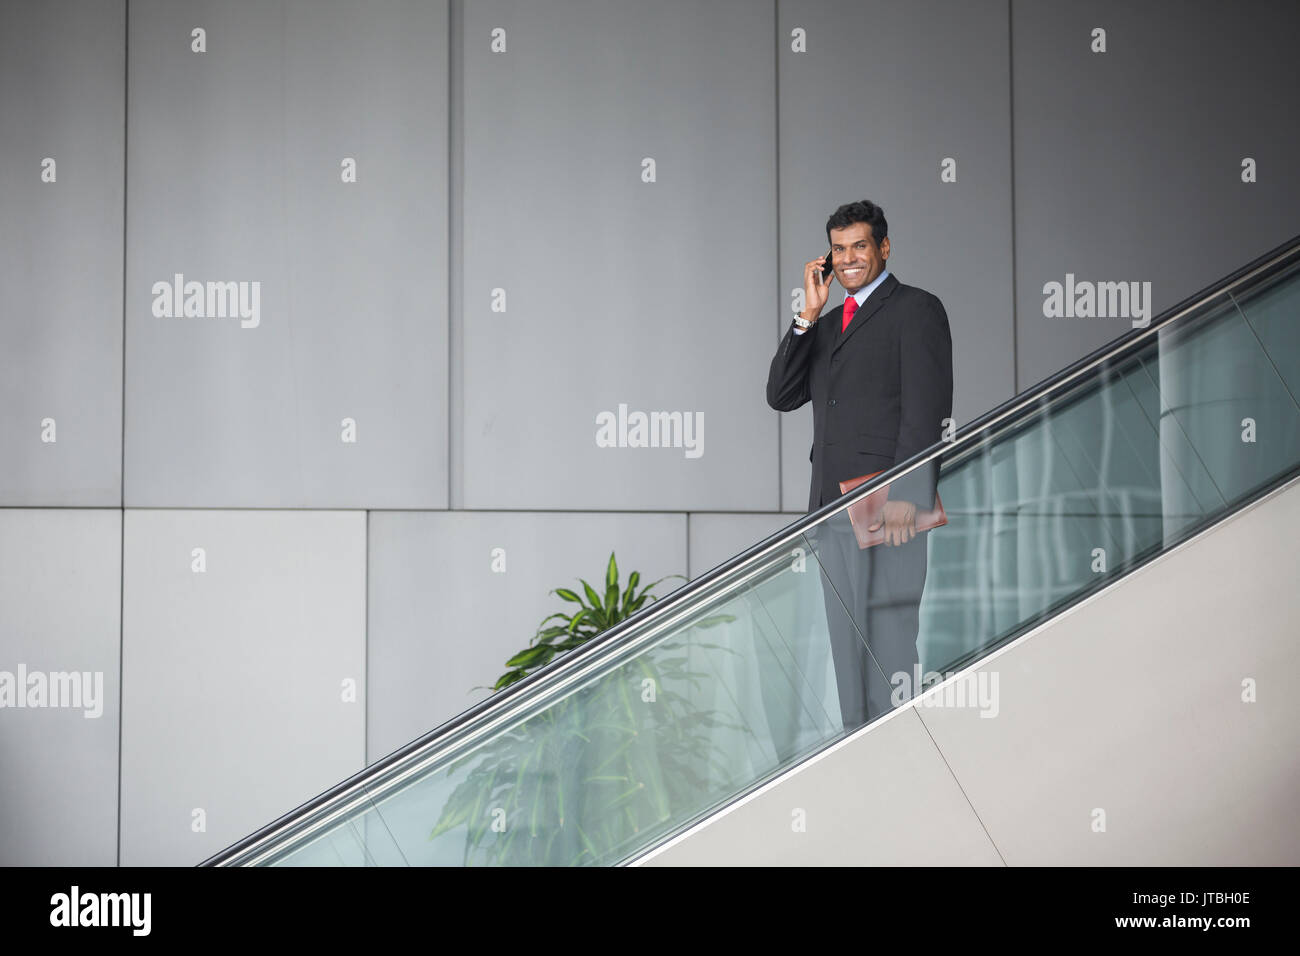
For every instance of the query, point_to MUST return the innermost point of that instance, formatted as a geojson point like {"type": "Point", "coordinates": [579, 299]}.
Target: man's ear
{"type": "Point", "coordinates": [884, 248]}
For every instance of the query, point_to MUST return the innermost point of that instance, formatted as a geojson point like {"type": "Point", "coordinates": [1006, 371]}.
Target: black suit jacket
{"type": "Point", "coordinates": [880, 390]}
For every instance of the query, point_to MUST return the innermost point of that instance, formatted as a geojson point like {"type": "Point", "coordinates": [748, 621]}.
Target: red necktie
{"type": "Point", "coordinates": [850, 306]}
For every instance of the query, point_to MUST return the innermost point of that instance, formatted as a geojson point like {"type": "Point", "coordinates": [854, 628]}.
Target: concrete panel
{"type": "Point", "coordinates": [235, 693]}
{"type": "Point", "coordinates": [237, 176]}
{"type": "Point", "coordinates": [1128, 163]}
{"type": "Point", "coordinates": [62, 96]}
{"type": "Point", "coordinates": [589, 291]}
{"type": "Point", "coordinates": [880, 798]}
{"type": "Point", "coordinates": [60, 593]}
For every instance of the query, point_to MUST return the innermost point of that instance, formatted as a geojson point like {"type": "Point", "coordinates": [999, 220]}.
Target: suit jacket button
{"type": "Point", "coordinates": [831, 402]}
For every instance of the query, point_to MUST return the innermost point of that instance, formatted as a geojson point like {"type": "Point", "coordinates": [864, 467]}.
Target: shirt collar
{"type": "Point", "coordinates": [866, 290]}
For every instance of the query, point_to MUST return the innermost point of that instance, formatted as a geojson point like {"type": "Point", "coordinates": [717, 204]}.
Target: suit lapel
{"type": "Point", "coordinates": [866, 310]}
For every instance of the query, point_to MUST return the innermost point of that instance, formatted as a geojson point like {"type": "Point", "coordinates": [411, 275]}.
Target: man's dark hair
{"type": "Point", "coordinates": [864, 210]}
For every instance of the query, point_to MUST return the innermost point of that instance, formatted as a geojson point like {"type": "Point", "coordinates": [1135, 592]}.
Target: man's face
{"type": "Point", "coordinates": [857, 258]}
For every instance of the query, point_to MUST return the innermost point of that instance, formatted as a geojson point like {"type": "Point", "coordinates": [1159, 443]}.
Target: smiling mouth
{"type": "Point", "coordinates": [849, 272]}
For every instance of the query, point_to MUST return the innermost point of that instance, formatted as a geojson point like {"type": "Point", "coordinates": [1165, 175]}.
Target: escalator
{"type": "Point", "coordinates": [1116, 553]}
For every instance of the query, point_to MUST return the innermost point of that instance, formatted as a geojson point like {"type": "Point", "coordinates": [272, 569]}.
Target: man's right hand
{"type": "Point", "coordinates": [815, 292]}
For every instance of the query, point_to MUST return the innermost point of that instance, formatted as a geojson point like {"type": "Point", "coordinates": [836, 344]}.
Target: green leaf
{"type": "Point", "coordinates": [592, 596]}
{"type": "Point", "coordinates": [458, 807]}
{"type": "Point", "coordinates": [614, 754]}
{"type": "Point", "coordinates": [505, 847]}
{"type": "Point", "coordinates": [611, 574]}
{"type": "Point", "coordinates": [567, 595]}
{"type": "Point", "coordinates": [550, 634]}
{"type": "Point", "coordinates": [622, 797]}
{"type": "Point", "coordinates": [559, 799]}
{"type": "Point", "coordinates": [532, 823]}
{"type": "Point", "coordinates": [611, 602]}
{"type": "Point", "coordinates": [505, 680]}
{"type": "Point", "coordinates": [596, 616]}
{"type": "Point", "coordinates": [631, 585]}
{"type": "Point", "coordinates": [531, 656]}
{"type": "Point", "coordinates": [587, 843]}
{"type": "Point", "coordinates": [627, 703]}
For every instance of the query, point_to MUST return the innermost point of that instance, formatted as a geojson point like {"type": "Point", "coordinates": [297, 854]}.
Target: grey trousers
{"type": "Point", "coordinates": [873, 600]}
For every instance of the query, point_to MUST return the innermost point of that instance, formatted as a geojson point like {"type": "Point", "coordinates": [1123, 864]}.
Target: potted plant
{"type": "Point", "coordinates": [579, 781]}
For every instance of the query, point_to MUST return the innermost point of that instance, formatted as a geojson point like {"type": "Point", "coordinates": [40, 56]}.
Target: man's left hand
{"type": "Point", "coordinates": [899, 519]}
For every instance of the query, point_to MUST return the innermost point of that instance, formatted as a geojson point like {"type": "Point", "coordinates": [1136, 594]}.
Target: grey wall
{"type": "Point", "coordinates": [418, 395]}
{"type": "Point", "coordinates": [235, 166]}
{"type": "Point", "coordinates": [243, 675]}
{"type": "Point", "coordinates": [1128, 163]}
{"type": "Point", "coordinates": [60, 613]}
{"type": "Point", "coordinates": [611, 282]}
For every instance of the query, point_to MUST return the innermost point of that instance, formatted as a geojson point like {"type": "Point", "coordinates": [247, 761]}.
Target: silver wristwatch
{"type": "Point", "coordinates": [801, 322]}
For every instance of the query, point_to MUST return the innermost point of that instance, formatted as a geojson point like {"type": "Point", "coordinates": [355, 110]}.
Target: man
{"type": "Point", "coordinates": [878, 371]}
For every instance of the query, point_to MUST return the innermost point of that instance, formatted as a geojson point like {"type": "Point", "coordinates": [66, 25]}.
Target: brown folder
{"type": "Point", "coordinates": [865, 512]}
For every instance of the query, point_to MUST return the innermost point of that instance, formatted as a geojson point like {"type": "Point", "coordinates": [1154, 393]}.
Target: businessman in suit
{"type": "Point", "coordinates": [878, 371]}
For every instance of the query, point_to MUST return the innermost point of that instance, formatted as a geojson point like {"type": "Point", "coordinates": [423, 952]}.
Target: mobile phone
{"type": "Point", "coordinates": [828, 268]}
